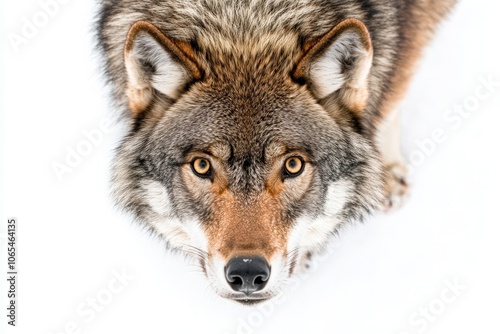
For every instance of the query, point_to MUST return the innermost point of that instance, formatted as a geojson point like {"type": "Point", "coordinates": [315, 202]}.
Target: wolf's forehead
{"type": "Point", "coordinates": [261, 60]}
{"type": "Point", "coordinates": [232, 153]}
{"type": "Point", "coordinates": [248, 130]}
{"type": "Point", "coordinates": [239, 128]}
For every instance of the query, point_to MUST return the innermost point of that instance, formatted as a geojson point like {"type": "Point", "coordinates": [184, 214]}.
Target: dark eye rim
{"type": "Point", "coordinates": [286, 174]}
{"type": "Point", "coordinates": [208, 174]}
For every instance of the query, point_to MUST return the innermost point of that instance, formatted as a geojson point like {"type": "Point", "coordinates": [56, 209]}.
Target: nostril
{"type": "Point", "coordinates": [259, 280]}
{"type": "Point", "coordinates": [235, 280]}
{"type": "Point", "coordinates": [247, 274]}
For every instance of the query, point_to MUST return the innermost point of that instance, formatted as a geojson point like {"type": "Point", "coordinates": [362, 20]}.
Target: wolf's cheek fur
{"type": "Point", "coordinates": [310, 234]}
{"type": "Point", "coordinates": [182, 234]}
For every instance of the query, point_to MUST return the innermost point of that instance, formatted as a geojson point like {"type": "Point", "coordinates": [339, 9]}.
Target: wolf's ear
{"type": "Point", "coordinates": [156, 62]}
{"type": "Point", "coordinates": [338, 64]}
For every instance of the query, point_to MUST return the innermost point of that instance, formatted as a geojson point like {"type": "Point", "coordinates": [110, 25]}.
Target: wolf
{"type": "Point", "coordinates": [257, 129]}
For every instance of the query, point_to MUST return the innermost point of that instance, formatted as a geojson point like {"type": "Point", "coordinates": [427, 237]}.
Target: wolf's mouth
{"type": "Point", "coordinates": [250, 301]}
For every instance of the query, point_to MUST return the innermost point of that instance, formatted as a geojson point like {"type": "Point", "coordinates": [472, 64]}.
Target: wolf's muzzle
{"type": "Point", "coordinates": [247, 274]}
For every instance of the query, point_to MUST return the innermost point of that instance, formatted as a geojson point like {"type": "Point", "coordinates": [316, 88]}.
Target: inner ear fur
{"type": "Point", "coordinates": [337, 65]}
{"type": "Point", "coordinates": [155, 61]}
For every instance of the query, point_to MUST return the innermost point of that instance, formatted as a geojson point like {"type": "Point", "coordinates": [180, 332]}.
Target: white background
{"type": "Point", "coordinates": [377, 277]}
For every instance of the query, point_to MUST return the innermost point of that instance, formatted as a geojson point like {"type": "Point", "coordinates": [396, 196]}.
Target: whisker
{"type": "Point", "coordinates": [292, 255]}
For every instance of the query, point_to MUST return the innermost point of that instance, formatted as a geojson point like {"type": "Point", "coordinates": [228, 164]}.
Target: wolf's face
{"type": "Point", "coordinates": [248, 166]}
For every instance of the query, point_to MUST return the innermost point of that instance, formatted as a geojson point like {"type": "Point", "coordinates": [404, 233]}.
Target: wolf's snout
{"type": "Point", "coordinates": [247, 273]}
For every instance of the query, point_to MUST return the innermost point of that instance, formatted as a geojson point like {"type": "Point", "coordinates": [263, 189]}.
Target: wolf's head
{"type": "Point", "coordinates": [246, 153]}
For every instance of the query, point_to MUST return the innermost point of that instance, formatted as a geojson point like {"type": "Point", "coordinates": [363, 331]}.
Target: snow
{"type": "Point", "coordinates": [431, 267]}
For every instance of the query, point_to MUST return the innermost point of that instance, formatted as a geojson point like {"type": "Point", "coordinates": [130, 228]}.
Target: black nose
{"type": "Point", "coordinates": [247, 273]}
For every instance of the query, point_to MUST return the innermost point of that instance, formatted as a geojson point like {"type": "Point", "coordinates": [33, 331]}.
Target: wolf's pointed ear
{"type": "Point", "coordinates": [156, 62]}
{"type": "Point", "coordinates": [338, 64]}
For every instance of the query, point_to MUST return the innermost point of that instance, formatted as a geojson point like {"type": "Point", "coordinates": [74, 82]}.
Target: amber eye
{"type": "Point", "coordinates": [293, 167]}
{"type": "Point", "coordinates": [201, 167]}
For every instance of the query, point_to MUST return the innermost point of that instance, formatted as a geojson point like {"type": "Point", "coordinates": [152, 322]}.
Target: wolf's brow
{"type": "Point", "coordinates": [220, 151]}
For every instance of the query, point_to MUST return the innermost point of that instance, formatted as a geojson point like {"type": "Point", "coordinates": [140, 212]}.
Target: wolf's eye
{"type": "Point", "coordinates": [293, 167]}
{"type": "Point", "coordinates": [201, 167]}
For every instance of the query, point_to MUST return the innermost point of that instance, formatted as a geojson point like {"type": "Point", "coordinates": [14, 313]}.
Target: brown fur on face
{"type": "Point", "coordinates": [239, 225]}
{"type": "Point", "coordinates": [246, 227]}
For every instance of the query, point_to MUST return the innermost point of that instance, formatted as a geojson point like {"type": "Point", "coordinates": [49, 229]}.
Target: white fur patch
{"type": "Point", "coordinates": [312, 233]}
{"type": "Point", "coordinates": [157, 197]}
{"type": "Point", "coordinates": [180, 234]}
